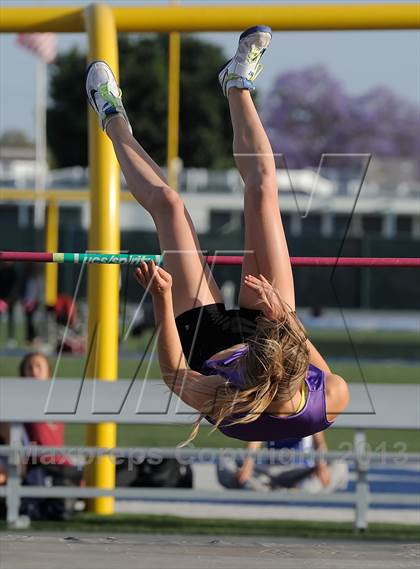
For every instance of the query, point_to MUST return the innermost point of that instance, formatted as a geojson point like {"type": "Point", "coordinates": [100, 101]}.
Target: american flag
{"type": "Point", "coordinates": [44, 45]}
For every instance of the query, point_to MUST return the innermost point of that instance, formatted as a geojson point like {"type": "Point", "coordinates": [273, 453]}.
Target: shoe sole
{"type": "Point", "coordinates": [92, 63]}
{"type": "Point", "coordinates": [244, 34]}
{"type": "Point", "coordinates": [254, 29]}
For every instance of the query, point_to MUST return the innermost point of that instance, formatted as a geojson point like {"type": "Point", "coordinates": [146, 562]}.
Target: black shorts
{"type": "Point", "coordinates": [208, 329]}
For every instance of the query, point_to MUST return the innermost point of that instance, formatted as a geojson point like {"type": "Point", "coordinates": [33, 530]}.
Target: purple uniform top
{"type": "Point", "coordinates": [309, 420]}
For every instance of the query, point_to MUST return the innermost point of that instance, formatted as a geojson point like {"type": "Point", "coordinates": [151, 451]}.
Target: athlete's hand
{"type": "Point", "coordinates": [154, 279]}
{"type": "Point", "coordinates": [271, 303]}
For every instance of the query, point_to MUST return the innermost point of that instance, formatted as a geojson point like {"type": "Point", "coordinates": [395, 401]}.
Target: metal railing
{"type": "Point", "coordinates": [361, 498]}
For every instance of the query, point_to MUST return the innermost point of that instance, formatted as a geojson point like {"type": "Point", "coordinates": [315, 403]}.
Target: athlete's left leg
{"type": "Point", "coordinates": [193, 285]}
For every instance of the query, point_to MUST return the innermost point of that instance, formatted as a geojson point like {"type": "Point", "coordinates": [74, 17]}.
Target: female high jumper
{"type": "Point", "coordinates": [252, 372]}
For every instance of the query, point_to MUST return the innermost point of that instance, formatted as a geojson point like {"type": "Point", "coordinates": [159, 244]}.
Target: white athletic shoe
{"type": "Point", "coordinates": [103, 93]}
{"type": "Point", "coordinates": [242, 70]}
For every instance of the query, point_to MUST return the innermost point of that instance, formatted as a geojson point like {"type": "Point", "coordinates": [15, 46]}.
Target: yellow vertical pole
{"type": "Point", "coordinates": [51, 245]}
{"type": "Point", "coordinates": [103, 294]}
{"type": "Point", "coordinates": [173, 107]}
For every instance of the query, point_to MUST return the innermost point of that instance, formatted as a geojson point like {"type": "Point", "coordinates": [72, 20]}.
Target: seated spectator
{"type": "Point", "coordinates": [287, 472]}
{"type": "Point", "coordinates": [3, 470]}
{"type": "Point", "coordinates": [46, 470]}
{"type": "Point", "coordinates": [69, 331]}
{"type": "Point", "coordinates": [8, 299]}
{"type": "Point", "coordinates": [31, 287]}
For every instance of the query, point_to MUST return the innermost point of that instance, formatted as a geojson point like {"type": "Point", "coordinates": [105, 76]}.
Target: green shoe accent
{"type": "Point", "coordinates": [255, 53]}
{"type": "Point", "coordinates": [109, 97]}
{"type": "Point", "coordinates": [257, 71]}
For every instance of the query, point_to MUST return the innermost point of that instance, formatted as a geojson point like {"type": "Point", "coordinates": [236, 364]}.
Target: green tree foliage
{"type": "Point", "coordinates": [67, 113]}
{"type": "Point", "coordinates": [205, 131]}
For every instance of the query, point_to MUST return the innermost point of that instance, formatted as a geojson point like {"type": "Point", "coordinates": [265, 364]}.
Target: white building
{"type": "Point", "coordinates": [388, 203]}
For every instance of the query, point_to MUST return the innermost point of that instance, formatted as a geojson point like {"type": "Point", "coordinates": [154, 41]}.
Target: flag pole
{"type": "Point", "coordinates": [40, 140]}
{"type": "Point", "coordinates": [40, 170]}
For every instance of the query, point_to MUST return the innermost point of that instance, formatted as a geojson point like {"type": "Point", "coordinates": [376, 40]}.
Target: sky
{"type": "Point", "coordinates": [359, 60]}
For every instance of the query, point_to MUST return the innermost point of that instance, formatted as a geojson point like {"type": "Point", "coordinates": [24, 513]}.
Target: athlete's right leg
{"type": "Point", "coordinates": [193, 285]}
{"type": "Point", "coordinates": [264, 233]}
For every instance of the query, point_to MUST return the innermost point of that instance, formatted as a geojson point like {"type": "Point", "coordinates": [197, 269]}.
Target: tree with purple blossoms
{"type": "Point", "coordinates": [307, 113]}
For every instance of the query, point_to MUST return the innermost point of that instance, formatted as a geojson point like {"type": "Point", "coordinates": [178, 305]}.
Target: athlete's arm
{"type": "Point", "coordinates": [192, 387]}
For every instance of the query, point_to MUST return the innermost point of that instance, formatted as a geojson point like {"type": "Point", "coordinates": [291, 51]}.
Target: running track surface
{"type": "Point", "coordinates": [65, 551]}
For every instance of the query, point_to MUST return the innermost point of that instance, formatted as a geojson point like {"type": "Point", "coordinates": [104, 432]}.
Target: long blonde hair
{"type": "Point", "coordinates": [272, 368]}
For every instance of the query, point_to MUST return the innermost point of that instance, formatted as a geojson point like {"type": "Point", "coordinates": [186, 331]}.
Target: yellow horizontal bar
{"type": "Point", "coordinates": [293, 17]}
{"type": "Point", "coordinates": [17, 195]}
{"type": "Point", "coordinates": [198, 18]}
{"type": "Point", "coordinates": [33, 195]}
{"type": "Point", "coordinates": [42, 19]}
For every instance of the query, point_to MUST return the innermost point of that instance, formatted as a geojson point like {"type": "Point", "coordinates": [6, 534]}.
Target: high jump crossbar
{"type": "Point", "coordinates": [135, 259]}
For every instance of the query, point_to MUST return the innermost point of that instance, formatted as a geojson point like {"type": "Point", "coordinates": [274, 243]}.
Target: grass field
{"type": "Point", "coordinates": [353, 371]}
{"type": "Point", "coordinates": [376, 357]}
{"type": "Point", "coordinates": [379, 344]}
{"type": "Point", "coordinates": [134, 523]}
